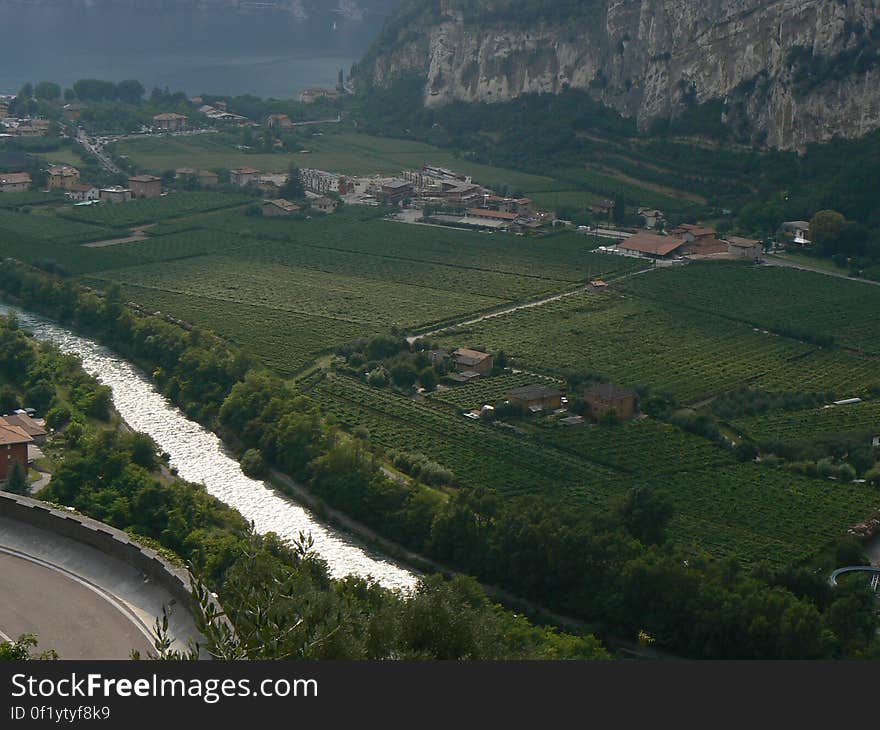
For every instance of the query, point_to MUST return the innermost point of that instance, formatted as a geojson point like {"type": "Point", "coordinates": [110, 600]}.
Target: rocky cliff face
{"type": "Point", "coordinates": [782, 72]}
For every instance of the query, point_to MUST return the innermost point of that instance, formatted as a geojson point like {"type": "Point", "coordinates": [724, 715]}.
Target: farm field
{"type": "Point", "coordinates": [150, 210]}
{"type": "Point", "coordinates": [721, 506]}
{"type": "Point", "coordinates": [639, 342]}
{"type": "Point", "coordinates": [779, 299]}
{"type": "Point", "coordinates": [857, 419]}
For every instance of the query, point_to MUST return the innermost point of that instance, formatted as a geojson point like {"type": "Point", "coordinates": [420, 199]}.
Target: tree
{"type": "Point", "coordinates": [131, 92]}
{"type": "Point", "coordinates": [16, 481]}
{"type": "Point", "coordinates": [619, 210]}
{"type": "Point", "coordinates": [293, 188]}
{"type": "Point", "coordinates": [826, 229]}
{"type": "Point", "coordinates": [645, 513]}
{"type": "Point", "coordinates": [48, 91]}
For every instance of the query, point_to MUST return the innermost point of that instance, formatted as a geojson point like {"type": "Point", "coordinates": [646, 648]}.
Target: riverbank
{"type": "Point", "coordinates": [200, 457]}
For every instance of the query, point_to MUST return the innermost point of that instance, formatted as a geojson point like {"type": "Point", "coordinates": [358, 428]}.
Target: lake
{"type": "Point", "coordinates": [223, 50]}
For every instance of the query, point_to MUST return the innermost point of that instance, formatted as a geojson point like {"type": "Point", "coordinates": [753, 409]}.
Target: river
{"type": "Point", "coordinates": [200, 457]}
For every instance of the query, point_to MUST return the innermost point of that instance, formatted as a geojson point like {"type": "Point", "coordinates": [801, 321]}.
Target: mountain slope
{"type": "Point", "coordinates": [780, 72]}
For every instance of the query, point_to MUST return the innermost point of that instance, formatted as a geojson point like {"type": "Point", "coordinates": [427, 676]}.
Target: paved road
{"type": "Point", "coordinates": [525, 305]}
{"type": "Point", "coordinates": [69, 615]}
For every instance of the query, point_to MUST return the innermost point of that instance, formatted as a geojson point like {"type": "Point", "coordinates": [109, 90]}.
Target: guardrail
{"type": "Point", "coordinates": [102, 537]}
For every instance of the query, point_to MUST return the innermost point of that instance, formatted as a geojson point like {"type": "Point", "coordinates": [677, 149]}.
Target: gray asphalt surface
{"type": "Point", "coordinates": [67, 614]}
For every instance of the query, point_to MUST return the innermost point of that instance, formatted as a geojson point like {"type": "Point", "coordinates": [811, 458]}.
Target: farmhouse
{"type": "Point", "coordinates": [797, 232]}
{"type": "Point", "coordinates": [244, 176]}
{"type": "Point", "coordinates": [278, 207]}
{"type": "Point", "coordinates": [536, 397]}
{"type": "Point", "coordinates": [473, 361]}
{"type": "Point", "coordinates": [170, 122]}
{"type": "Point", "coordinates": [744, 248]}
{"type": "Point", "coordinates": [62, 177]}
{"type": "Point", "coordinates": [609, 397]}
{"type": "Point", "coordinates": [279, 121]}
{"type": "Point", "coordinates": [80, 192]}
{"type": "Point", "coordinates": [652, 217]}
{"type": "Point", "coordinates": [26, 424]}
{"type": "Point", "coordinates": [699, 241]}
{"type": "Point", "coordinates": [13, 448]}
{"type": "Point", "coordinates": [115, 194]}
{"type": "Point", "coordinates": [14, 182]}
{"type": "Point", "coordinates": [145, 186]}
{"type": "Point", "coordinates": [651, 245]}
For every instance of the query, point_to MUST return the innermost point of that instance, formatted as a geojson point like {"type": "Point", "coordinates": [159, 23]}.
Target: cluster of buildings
{"type": "Point", "coordinates": [689, 240]}
{"type": "Point", "coordinates": [21, 126]}
{"type": "Point", "coordinates": [599, 400]}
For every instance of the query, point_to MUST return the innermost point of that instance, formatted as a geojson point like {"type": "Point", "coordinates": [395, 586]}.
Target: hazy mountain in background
{"type": "Point", "coordinates": [780, 72]}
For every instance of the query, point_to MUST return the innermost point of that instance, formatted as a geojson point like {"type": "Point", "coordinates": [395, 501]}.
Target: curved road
{"type": "Point", "coordinates": [70, 615]}
{"type": "Point", "coordinates": [853, 569]}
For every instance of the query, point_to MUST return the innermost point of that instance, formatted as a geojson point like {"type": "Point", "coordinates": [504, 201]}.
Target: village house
{"type": "Point", "coordinates": [875, 441]}
{"type": "Point", "coordinates": [607, 397]}
{"type": "Point", "coordinates": [652, 245]}
{"type": "Point", "coordinates": [744, 248]}
{"type": "Point", "coordinates": [244, 176]}
{"type": "Point", "coordinates": [115, 194]}
{"type": "Point", "coordinates": [324, 205]}
{"type": "Point", "coordinates": [13, 449]}
{"type": "Point", "coordinates": [170, 122]}
{"type": "Point", "coordinates": [699, 241]}
{"type": "Point", "coordinates": [145, 186]}
{"type": "Point", "coordinates": [81, 192]}
{"type": "Point", "coordinates": [278, 207]}
{"type": "Point", "coordinates": [62, 177]}
{"type": "Point", "coordinates": [796, 232]}
{"type": "Point", "coordinates": [473, 361]}
{"type": "Point", "coordinates": [14, 182]}
{"type": "Point", "coordinates": [652, 217]}
{"type": "Point", "coordinates": [184, 172]}
{"type": "Point", "coordinates": [27, 424]}
{"type": "Point", "coordinates": [536, 397]}
{"type": "Point", "coordinates": [4, 110]}
{"type": "Point", "coordinates": [279, 121]}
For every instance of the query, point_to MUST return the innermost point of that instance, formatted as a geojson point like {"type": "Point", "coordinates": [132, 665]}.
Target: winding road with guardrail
{"type": "Point", "coordinates": [875, 570]}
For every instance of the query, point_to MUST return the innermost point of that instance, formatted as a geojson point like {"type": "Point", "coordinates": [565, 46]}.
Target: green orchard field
{"type": "Point", "coordinates": [290, 291]}
{"type": "Point", "coordinates": [721, 506]}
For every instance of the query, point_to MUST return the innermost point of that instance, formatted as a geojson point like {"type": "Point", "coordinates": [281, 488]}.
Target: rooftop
{"type": "Point", "coordinates": [741, 242]}
{"type": "Point", "coordinates": [11, 435]}
{"type": "Point", "coordinates": [649, 243]}
{"type": "Point", "coordinates": [23, 423]}
{"type": "Point", "coordinates": [470, 357]}
{"type": "Point", "coordinates": [499, 215]}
